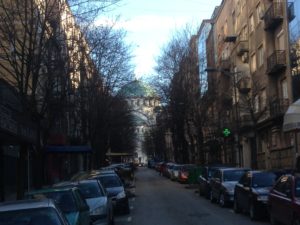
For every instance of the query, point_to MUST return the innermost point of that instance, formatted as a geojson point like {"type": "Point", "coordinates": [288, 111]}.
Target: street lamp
{"type": "Point", "coordinates": [237, 123]}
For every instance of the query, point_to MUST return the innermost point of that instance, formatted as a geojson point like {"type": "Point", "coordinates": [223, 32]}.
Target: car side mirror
{"type": "Point", "coordinates": [288, 193]}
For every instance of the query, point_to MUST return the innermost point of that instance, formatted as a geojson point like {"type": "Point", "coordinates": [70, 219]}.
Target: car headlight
{"type": "Point", "coordinates": [98, 211]}
{"type": "Point", "coordinates": [121, 195]}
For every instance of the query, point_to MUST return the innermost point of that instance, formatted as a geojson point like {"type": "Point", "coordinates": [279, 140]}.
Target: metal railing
{"type": "Point", "coordinates": [278, 107]}
{"type": "Point", "coordinates": [274, 15]}
{"type": "Point", "coordinates": [276, 61]}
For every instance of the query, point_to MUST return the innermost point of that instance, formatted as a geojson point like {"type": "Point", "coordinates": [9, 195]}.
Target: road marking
{"type": "Point", "coordinates": [131, 207]}
{"type": "Point", "coordinates": [231, 211]}
{"type": "Point", "coordinates": [129, 219]}
{"type": "Point", "coordinates": [133, 199]}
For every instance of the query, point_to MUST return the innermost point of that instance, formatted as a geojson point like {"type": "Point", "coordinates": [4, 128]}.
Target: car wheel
{"type": "Point", "coordinates": [200, 192]}
{"type": "Point", "coordinates": [127, 209]}
{"type": "Point", "coordinates": [222, 202]}
{"type": "Point", "coordinates": [253, 212]}
{"type": "Point", "coordinates": [236, 206]}
{"type": "Point", "coordinates": [112, 221]}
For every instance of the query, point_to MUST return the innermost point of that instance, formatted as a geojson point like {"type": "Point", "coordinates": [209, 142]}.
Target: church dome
{"type": "Point", "coordinates": [137, 89]}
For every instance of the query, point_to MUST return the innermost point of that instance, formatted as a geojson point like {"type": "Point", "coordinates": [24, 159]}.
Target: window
{"type": "Point", "coordinates": [260, 56]}
{"type": "Point", "coordinates": [234, 23]}
{"type": "Point", "coordinates": [253, 63]}
{"type": "Point", "coordinates": [284, 87]}
{"type": "Point", "coordinates": [251, 25]}
{"type": "Point", "coordinates": [280, 41]}
{"type": "Point", "coordinates": [263, 102]}
{"type": "Point", "coordinates": [259, 12]}
{"type": "Point", "coordinates": [256, 103]}
{"type": "Point", "coordinates": [244, 34]}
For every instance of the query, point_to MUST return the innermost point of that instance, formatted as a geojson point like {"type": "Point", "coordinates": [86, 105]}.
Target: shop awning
{"type": "Point", "coordinates": [69, 149]}
{"type": "Point", "coordinates": [292, 117]}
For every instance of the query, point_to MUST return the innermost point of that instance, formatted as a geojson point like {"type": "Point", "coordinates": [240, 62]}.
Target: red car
{"type": "Point", "coordinates": [284, 200]}
{"type": "Point", "coordinates": [183, 173]}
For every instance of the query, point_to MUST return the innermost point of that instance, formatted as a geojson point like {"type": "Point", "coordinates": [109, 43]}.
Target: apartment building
{"type": "Point", "coordinates": [253, 81]}
{"type": "Point", "coordinates": [43, 63]}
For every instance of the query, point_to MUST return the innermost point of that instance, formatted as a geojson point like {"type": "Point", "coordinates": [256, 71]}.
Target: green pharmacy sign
{"type": "Point", "coordinates": [226, 132]}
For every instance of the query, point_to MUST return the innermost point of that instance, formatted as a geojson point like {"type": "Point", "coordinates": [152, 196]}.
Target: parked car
{"type": "Point", "coordinates": [284, 205]}
{"type": "Point", "coordinates": [70, 201]}
{"type": "Point", "coordinates": [31, 212]}
{"type": "Point", "coordinates": [167, 171]}
{"type": "Point", "coordinates": [222, 184]}
{"type": "Point", "coordinates": [183, 173]}
{"type": "Point", "coordinates": [115, 189]}
{"type": "Point", "coordinates": [175, 172]}
{"type": "Point", "coordinates": [101, 210]}
{"type": "Point", "coordinates": [251, 193]}
{"type": "Point", "coordinates": [203, 180]}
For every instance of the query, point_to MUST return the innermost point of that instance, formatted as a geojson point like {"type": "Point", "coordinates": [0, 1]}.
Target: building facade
{"type": "Point", "coordinates": [144, 104]}
{"type": "Point", "coordinates": [253, 82]}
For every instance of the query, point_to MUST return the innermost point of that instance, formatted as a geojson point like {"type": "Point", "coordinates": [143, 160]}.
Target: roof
{"type": "Point", "coordinates": [26, 204]}
{"type": "Point", "coordinates": [51, 189]}
{"type": "Point", "coordinates": [136, 89]}
{"type": "Point", "coordinates": [232, 168]}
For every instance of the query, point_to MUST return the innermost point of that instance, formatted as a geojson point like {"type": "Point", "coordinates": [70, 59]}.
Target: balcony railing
{"type": "Point", "coordinates": [225, 63]}
{"type": "Point", "coordinates": [276, 61]}
{"type": "Point", "coordinates": [278, 107]}
{"type": "Point", "coordinates": [242, 47]}
{"type": "Point", "coordinates": [291, 11]}
{"type": "Point", "coordinates": [246, 121]}
{"type": "Point", "coordinates": [274, 15]}
{"type": "Point", "coordinates": [244, 84]}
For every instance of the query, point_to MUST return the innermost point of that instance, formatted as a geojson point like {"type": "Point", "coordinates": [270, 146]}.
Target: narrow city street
{"type": "Point", "coordinates": [160, 201]}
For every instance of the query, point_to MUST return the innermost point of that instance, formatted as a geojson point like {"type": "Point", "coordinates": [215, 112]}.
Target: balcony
{"type": "Point", "coordinates": [226, 100]}
{"type": "Point", "coordinates": [246, 121]}
{"type": "Point", "coordinates": [276, 62]}
{"type": "Point", "coordinates": [278, 107]}
{"type": "Point", "coordinates": [230, 38]}
{"type": "Point", "coordinates": [291, 11]}
{"type": "Point", "coordinates": [225, 63]}
{"type": "Point", "coordinates": [273, 16]}
{"type": "Point", "coordinates": [242, 47]}
{"type": "Point", "coordinates": [244, 84]}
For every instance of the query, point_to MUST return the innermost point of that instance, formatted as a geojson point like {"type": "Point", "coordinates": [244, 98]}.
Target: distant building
{"type": "Point", "coordinates": [143, 102]}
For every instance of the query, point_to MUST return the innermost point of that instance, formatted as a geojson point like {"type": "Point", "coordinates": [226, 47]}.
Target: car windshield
{"type": "Point", "coordinates": [63, 199]}
{"type": "Point", "coordinates": [110, 181]}
{"type": "Point", "coordinates": [263, 179]}
{"type": "Point", "coordinates": [297, 188]}
{"type": "Point", "coordinates": [40, 216]}
{"type": "Point", "coordinates": [90, 190]}
{"type": "Point", "coordinates": [232, 175]}
{"type": "Point", "coordinates": [177, 168]}
{"type": "Point", "coordinates": [211, 172]}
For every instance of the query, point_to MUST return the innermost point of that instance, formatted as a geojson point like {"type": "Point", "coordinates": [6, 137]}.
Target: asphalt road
{"type": "Point", "coordinates": [159, 201]}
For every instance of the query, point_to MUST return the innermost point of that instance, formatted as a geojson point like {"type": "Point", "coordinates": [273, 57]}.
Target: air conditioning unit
{"type": "Point", "coordinates": [245, 57]}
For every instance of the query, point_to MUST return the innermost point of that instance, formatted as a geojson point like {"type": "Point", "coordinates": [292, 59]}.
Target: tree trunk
{"type": "Point", "coordinates": [21, 171]}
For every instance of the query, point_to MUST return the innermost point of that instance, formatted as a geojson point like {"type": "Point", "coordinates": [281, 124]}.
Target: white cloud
{"type": "Point", "coordinates": [145, 23]}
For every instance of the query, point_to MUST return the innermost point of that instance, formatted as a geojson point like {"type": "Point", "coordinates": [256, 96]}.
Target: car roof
{"type": "Point", "coordinates": [232, 168]}
{"type": "Point", "coordinates": [26, 204]}
{"type": "Point", "coordinates": [64, 187]}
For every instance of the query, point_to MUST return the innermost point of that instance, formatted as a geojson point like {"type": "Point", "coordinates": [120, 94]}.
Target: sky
{"type": "Point", "coordinates": [151, 23]}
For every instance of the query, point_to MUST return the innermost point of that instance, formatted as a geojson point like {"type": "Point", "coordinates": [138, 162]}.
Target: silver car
{"type": "Point", "coordinates": [101, 210]}
{"type": "Point", "coordinates": [116, 191]}
{"type": "Point", "coordinates": [31, 212]}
